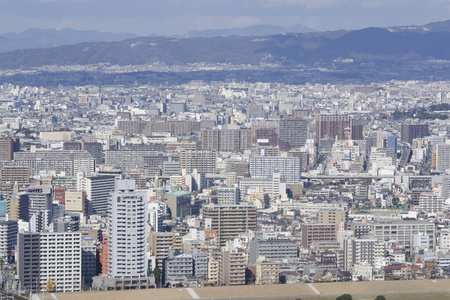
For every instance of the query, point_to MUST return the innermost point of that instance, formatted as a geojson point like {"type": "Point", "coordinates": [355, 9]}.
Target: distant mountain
{"type": "Point", "coordinates": [258, 30]}
{"type": "Point", "coordinates": [438, 26]}
{"type": "Point", "coordinates": [430, 27]}
{"type": "Point", "coordinates": [45, 38]}
{"type": "Point", "coordinates": [366, 45]}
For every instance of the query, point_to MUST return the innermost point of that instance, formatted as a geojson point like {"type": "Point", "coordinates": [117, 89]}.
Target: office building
{"type": "Point", "coordinates": [75, 202]}
{"type": "Point", "coordinates": [273, 249]}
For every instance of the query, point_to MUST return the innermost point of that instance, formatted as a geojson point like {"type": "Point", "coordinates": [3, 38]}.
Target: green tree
{"type": "Point", "coordinates": [381, 297]}
{"type": "Point", "coordinates": [2, 263]}
{"type": "Point", "coordinates": [345, 297]}
{"type": "Point", "coordinates": [157, 272]}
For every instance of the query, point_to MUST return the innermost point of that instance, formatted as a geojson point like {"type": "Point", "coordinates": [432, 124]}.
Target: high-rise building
{"type": "Point", "coordinates": [15, 174]}
{"type": "Point", "coordinates": [294, 131]}
{"type": "Point", "coordinates": [227, 140]}
{"type": "Point", "coordinates": [127, 231]}
{"type": "Point", "coordinates": [232, 267]}
{"type": "Point", "coordinates": [49, 255]}
{"type": "Point", "coordinates": [317, 232]}
{"type": "Point", "coordinates": [265, 166]}
{"type": "Point", "coordinates": [267, 271]}
{"type": "Point", "coordinates": [204, 161]}
{"type": "Point", "coordinates": [179, 203]}
{"type": "Point", "coordinates": [75, 202]}
{"type": "Point", "coordinates": [65, 162]}
{"type": "Point", "coordinates": [160, 243]}
{"type": "Point", "coordinates": [357, 251]}
{"type": "Point", "coordinates": [8, 238]}
{"type": "Point", "coordinates": [412, 131]}
{"type": "Point", "coordinates": [98, 190]}
{"type": "Point", "coordinates": [40, 199]}
{"type": "Point", "coordinates": [228, 196]}
{"type": "Point", "coordinates": [229, 220]}
{"type": "Point", "coordinates": [7, 148]}
{"type": "Point", "coordinates": [335, 126]}
{"type": "Point", "coordinates": [442, 156]}
{"type": "Point", "coordinates": [17, 206]}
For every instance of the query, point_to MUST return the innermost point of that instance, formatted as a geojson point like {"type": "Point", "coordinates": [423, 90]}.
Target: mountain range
{"type": "Point", "coordinates": [394, 44]}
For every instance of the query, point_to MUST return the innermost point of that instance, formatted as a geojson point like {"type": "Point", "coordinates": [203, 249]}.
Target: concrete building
{"type": "Point", "coordinates": [178, 267]}
{"type": "Point", "coordinates": [227, 140]}
{"type": "Point", "coordinates": [412, 131]}
{"type": "Point", "coordinates": [127, 231]}
{"type": "Point", "coordinates": [160, 243]}
{"type": "Point", "coordinates": [404, 231]}
{"type": "Point", "coordinates": [179, 203]}
{"type": "Point", "coordinates": [431, 203]}
{"type": "Point", "coordinates": [40, 199]}
{"type": "Point", "coordinates": [264, 167]}
{"type": "Point", "coordinates": [232, 267]}
{"type": "Point", "coordinates": [267, 272]}
{"type": "Point", "coordinates": [61, 162]}
{"type": "Point", "coordinates": [294, 131]}
{"type": "Point", "coordinates": [98, 190]}
{"type": "Point", "coordinates": [338, 217]}
{"type": "Point", "coordinates": [75, 202]}
{"type": "Point", "coordinates": [228, 196]}
{"type": "Point", "coordinates": [204, 161]}
{"type": "Point", "coordinates": [7, 148]}
{"type": "Point", "coordinates": [273, 249]}
{"type": "Point", "coordinates": [88, 259]}
{"type": "Point", "coordinates": [442, 157]}
{"type": "Point", "coordinates": [8, 238]}
{"type": "Point", "coordinates": [334, 126]}
{"type": "Point", "coordinates": [358, 251]}
{"type": "Point", "coordinates": [317, 232]}
{"type": "Point", "coordinates": [55, 255]}
{"type": "Point", "coordinates": [229, 220]}
{"type": "Point", "coordinates": [17, 207]}
{"type": "Point", "coordinates": [15, 174]}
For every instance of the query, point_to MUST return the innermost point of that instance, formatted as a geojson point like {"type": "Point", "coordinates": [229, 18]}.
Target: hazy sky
{"type": "Point", "coordinates": [179, 16]}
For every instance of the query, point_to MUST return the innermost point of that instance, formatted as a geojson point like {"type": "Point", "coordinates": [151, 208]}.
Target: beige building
{"type": "Point", "coordinates": [160, 243]}
{"type": "Point", "coordinates": [17, 207]}
{"type": "Point", "coordinates": [318, 232]}
{"type": "Point", "coordinates": [15, 174]}
{"type": "Point", "coordinates": [338, 217]}
{"type": "Point", "coordinates": [267, 272]}
{"type": "Point", "coordinates": [229, 220]}
{"type": "Point", "coordinates": [75, 202]}
{"type": "Point", "coordinates": [232, 267]}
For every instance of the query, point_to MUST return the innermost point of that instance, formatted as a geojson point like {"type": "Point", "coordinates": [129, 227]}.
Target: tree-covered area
{"type": "Point", "coordinates": [418, 113]}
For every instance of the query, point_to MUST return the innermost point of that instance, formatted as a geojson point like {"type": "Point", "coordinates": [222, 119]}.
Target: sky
{"type": "Point", "coordinates": [165, 17]}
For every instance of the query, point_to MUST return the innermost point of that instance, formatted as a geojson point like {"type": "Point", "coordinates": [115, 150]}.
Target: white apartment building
{"type": "Point", "coordinates": [127, 231]}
